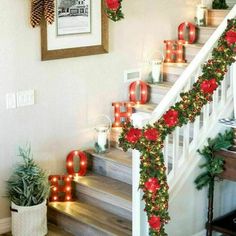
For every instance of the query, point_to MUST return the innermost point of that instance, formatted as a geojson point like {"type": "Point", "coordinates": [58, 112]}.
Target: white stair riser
{"type": "Point", "coordinates": [191, 52]}
{"type": "Point", "coordinates": [170, 77]}
{"type": "Point", "coordinates": [204, 34]}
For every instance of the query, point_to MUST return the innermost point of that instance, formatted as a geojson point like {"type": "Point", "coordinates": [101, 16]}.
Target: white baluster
{"type": "Point", "coordinates": [166, 153]}
{"type": "Point", "coordinates": [175, 151]}
{"type": "Point", "coordinates": [186, 135]}
{"type": "Point", "coordinates": [215, 101]}
{"type": "Point", "coordinates": [234, 87]}
{"type": "Point", "coordinates": [223, 91]}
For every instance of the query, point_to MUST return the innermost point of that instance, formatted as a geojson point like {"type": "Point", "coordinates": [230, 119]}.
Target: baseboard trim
{"type": "Point", "coordinates": [202, 233]}
{"type": "Point", "coordinates": [5, 225]}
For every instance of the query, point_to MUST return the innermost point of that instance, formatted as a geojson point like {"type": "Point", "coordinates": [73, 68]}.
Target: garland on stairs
{"type": "Point", "coordinates": [113, 9]}
{"type": "Point", "coordinates": [149, 140]}
{"type": "Point", "coordinates": [214, 165]}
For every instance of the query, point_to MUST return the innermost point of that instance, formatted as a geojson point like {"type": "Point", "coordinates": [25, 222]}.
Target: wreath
{"type": "Point", "coordinates": [150, 139]}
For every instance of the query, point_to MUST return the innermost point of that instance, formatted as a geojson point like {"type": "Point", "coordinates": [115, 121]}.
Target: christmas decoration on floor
{"type": "Point", "coordinates": [40, 9]}
{"type": "Point", "coordinates": [113, 9]}
{"type": "Point", "coordinates": [214, 165]}
{"type": "Point", "coordinates": [150, 146]}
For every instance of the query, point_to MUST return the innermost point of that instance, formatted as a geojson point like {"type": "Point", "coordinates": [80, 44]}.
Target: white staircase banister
{"type": "Point", "coordinates": [168, 100]}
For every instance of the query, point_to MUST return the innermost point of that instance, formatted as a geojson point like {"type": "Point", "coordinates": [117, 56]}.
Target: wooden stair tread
{"type": "Point", "coordinates": [207, 27]}
{"type": "Point", "coordinates": [94, 217]}
{"type": "Point", "coordinates": [114, 155]}
{"type": "Point", "coordinates": [162, 85]}
{"type": "Point", "coordinates": [108, 186]}
{"type": "Point", "coordinates": [194, 45]}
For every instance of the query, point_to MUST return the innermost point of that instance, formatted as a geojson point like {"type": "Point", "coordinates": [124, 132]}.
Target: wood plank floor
{"type": "Point", "coordinates": [52, 231]}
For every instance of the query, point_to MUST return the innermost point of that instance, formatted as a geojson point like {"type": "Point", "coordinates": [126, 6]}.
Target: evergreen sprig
{"type": "Point", "coordinates": [214, 164]}
{"type": "Point", "coordinates": [219, 4]}
{"type": "Point", "coordinates": [28, 185]}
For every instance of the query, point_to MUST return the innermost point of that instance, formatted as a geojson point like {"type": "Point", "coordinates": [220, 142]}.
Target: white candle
{"type": "Point", "coordinates": [201, 15]}
{"type": "Point", "coordinates": [102, 138]}
{"type": "Point", "coordinates": [156, 71]}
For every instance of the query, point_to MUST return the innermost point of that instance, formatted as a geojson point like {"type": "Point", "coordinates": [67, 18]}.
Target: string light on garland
{"type": "Point", "coordinates": [113, 9]}
{"type": "Point", "coordinates": [149, 140]}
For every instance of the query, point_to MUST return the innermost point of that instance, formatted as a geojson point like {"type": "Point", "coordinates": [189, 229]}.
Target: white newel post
{"type": "Point", "coordinates": [139, 218]}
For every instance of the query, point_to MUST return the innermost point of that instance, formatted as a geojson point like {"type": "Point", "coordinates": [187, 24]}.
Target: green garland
{"type": "Point", "coordinates": [149, 140]}
{"type": "Point", "coordinates": [113, 10]}
{"type": "Point", "coordinates": [219, 4]}
{"type": "Point", "coordinates": [214, 164]}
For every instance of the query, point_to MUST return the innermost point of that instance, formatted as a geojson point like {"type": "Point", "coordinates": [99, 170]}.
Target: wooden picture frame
{"type": "Point", "coordinates": [102, 48]}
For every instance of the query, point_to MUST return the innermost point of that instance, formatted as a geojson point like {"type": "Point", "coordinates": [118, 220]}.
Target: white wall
{"type": "Point", "coordinates": [188, 208]}
{"type": "Point", "coordinates": [70, 92]}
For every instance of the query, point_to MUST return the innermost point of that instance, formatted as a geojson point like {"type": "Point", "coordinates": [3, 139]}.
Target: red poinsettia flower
{"type": "Point", "coordinates": [171, 117]}
{"type": "Point", "coordinates": [151, 134]}
{"type": "Point", "coordinates": [133, 135]}
{"type": "Point", "coordinates": [152, 185]}
{"type": "Point", "coordinates": [155, 222]}
{"type": "Point", "coordinates": [113, 4]}
{"type": "Point", "coordinates": [230, 37]}
{"type": "Point", "coordinates": [209, 86]}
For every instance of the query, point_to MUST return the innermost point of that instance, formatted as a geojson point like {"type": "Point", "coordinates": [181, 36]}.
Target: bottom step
{"type": "Point", "coordinates": [85, 220]}
{"type": "Point", "coordinates": [52, 231]}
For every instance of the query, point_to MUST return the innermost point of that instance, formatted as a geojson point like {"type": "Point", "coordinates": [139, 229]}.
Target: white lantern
{"type": "Point", "coordinates": [156, 71]}
{"type": "Point", "coordinates": [201, 15]}
{"type": "Point", "coordinates": [102, 135]}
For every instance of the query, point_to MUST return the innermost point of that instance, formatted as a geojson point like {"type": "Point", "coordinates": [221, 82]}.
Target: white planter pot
{"type": "Point", "coordinates": [28, 221]}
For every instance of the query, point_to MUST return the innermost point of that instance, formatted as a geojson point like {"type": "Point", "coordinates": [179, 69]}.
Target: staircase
{"type": "Point", "coordinates": [104, 205]}
{"type": "Point", "coordinates": [108, 200]}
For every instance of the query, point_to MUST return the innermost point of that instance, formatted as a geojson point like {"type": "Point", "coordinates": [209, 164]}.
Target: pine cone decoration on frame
{"type": "Point", "coordinates": [49, 11]}
{"type": "Point", "coordinates": [36, 12]}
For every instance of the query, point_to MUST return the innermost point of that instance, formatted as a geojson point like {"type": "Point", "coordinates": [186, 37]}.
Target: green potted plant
{"type": "Point", "coordinates": [219, 4]}
{"type": "Point", "coordinates": [28, 189]}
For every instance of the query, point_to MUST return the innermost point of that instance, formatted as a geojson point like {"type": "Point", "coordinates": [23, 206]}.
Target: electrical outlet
{"type": "Point", "coordinates": [25, 98]}
{"type": "Point", "coordinates": [10, 100]}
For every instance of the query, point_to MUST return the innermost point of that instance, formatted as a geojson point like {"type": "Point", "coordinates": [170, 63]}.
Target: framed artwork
{"type": "Point", "coordinates": [80, 29]}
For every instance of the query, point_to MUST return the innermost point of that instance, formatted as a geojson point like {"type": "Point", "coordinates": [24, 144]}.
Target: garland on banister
{"type": "Point", "coordinates": [149, 140]}
{"type": "Point", "coordinates": [113, 9]}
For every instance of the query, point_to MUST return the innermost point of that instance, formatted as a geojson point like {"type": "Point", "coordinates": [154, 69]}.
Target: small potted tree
{"type": "Point", "coordinates": [28, 189]}
{"type": "Point", "coordinates": [219, 4]}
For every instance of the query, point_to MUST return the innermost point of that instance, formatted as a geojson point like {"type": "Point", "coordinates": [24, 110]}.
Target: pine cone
{"type": "Point", "coordinates": [49, 11]}
{"type": "Point", "coordinates": [36, 12]}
